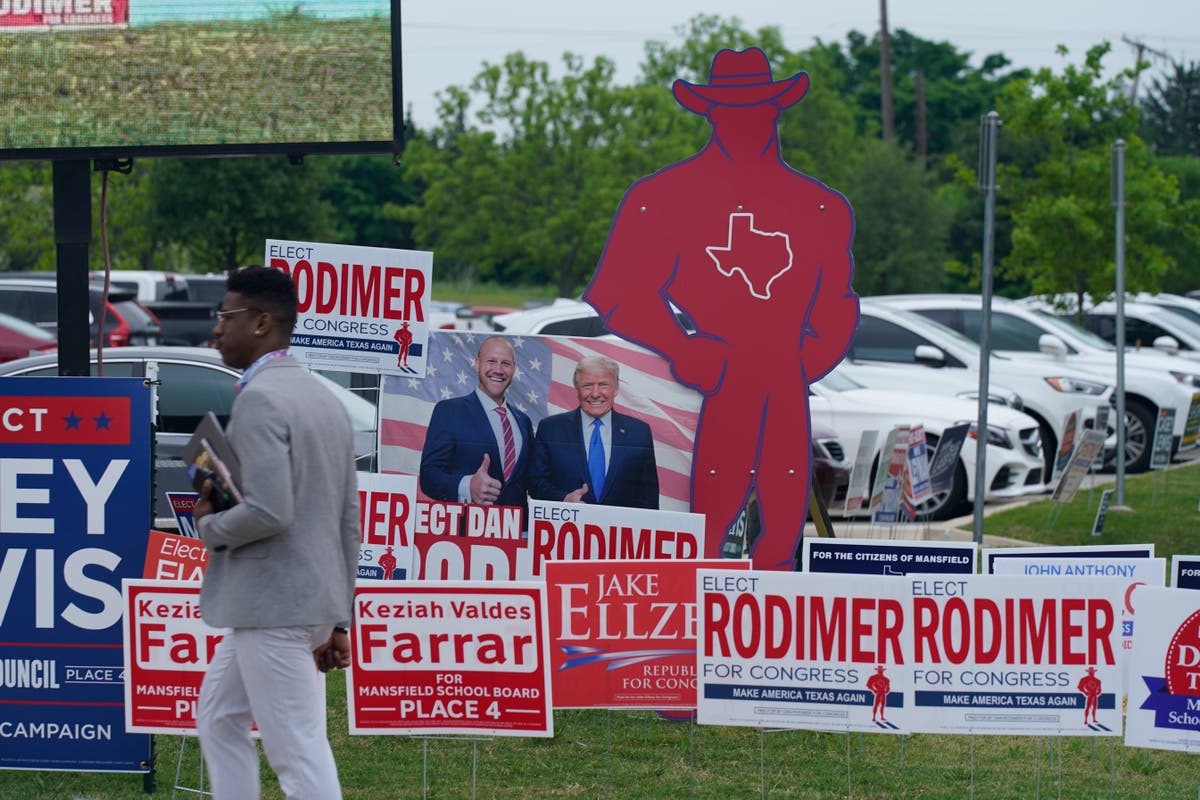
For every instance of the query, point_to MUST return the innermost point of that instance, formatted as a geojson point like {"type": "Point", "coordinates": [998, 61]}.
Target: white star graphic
{"type": "Point", "coordinates": [446, 393]}
{"type": "Point", "coordinates": [536, 364]}
{"type": "Point", "coordinates": [447, 355]}
{"type": "Point", "coordinates": [532, 395]}
{"type": "Point", "coordinates": [462, 378]}
{"type": "Point", "coordinates": [431, 369]}
{"type": "Point", "coordinates": [413, 383]}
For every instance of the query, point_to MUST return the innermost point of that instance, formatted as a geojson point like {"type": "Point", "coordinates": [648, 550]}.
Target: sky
{"type": "Point", "coordinates": [445, 42]}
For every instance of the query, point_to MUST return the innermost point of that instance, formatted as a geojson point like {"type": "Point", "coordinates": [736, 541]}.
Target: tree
{"type": "Point", "coordinates": [901, 223]}
{"type": "Point", "coordinates": [26, 216]}
{"type": "Point", "coordinates": [1059, 131]}
{"type": "Point", "coordinates": [522, 187]}
{"type": "Point", "coordinates": [223, 209]}
{"type": "Point", "coordinates": [1171, 112]}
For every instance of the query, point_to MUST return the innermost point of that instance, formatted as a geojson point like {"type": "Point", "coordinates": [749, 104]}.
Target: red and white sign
{"type": "Point", "coordinates": [458, 558]}
{"type": "Point", "coordinates": [956, 654]}
{"type": "Point", "coordinates": [579, 532]}
{"type": "Point", "coordinates": [464, 541]}
{"type": "Point", "coordinates": [42, 14]}
{"type": "Point", "coordinates": [168, 647]}
{"type": "Point", "coordinates": [451, 657]}
{"type": "Point", "coordinates": [386, 517]}
{"type": "Point", "coordinates": [171, 557]}
{"type": "Point", "coordinates": [361, 309]}
{"type": "Point", "coordinates": [623, 633]}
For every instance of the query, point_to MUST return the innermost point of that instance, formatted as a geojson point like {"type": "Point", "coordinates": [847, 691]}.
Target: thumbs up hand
{"type": "Point", "coordinates": [484, 488]}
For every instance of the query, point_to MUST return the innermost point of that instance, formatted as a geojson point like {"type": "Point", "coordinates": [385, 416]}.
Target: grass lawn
{"type": "Point", "coordinates": [620, 754]}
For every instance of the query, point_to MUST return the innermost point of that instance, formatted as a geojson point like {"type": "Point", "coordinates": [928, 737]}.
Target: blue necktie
{"type": "Point", "coordinates": [596, 460]}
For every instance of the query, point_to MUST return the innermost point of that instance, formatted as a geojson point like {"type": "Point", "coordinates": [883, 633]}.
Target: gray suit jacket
{"type": "Point", "coordinates": [288, 554]}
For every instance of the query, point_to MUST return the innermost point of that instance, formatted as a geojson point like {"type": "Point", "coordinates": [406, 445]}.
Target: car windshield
{"type": "Point", "coordinates": [1182, 310]}
{"type": "Point", "coordinates": [1073, 331]}
{"type": "Point", "coordinates": [1171, 317]}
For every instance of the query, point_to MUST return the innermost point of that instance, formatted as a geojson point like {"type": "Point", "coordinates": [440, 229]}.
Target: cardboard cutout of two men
{"type": "Point", "coordinates": [758, 256]}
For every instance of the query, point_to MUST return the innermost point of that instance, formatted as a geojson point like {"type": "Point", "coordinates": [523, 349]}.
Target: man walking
{"type": "Point", "coordinates": [282, 562]}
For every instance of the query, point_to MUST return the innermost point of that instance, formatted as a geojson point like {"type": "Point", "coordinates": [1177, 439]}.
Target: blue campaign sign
{"type": "Point", "coordinates": [75, 511]}
{"type": "Point", "coordinates": [889, 557]}
{"type": "Point", "coordinates": [1185, 572]}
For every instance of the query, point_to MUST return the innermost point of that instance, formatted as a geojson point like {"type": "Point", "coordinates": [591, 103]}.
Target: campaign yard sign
{"type": "Point", "coordinates": [1164, 688]}
{"type": "Point", "coordinates": [386, 519]}
{"type": "Point", "coordinates": [989, 556]}
{"type": "Point", "coordinates": [182, 504]}
{"type": "Point", "coordinates": [890, 557]}
{"type": "Point", "coordinates": [74, 517]}
{"type": "Point", "coordinates": [1185, 571]}
{"type": "Point", "coordinates": [361, 309]}
{"type": "Point", "coordinates": [450, 657]}
{"type": "Point", "coordinates": [168, 647]}
{"type": "Point", "coordinates": [171, 557]}
{"type": "Point", "coordinates": [466, 541]}
{"type": "Point", "coordinates": [933, 654]}
{"type": "Point", "coordinates": [581, 531]}
{"type": "Point", "coordinates": [623, 633]}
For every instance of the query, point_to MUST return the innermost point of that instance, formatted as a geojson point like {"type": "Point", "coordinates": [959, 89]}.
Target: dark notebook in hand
{"type": "Point", "coordinates": [209, 456]}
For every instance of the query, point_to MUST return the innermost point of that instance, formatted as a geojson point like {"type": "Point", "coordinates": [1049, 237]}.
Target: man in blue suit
{"type": "Point", "coordinates": [594, 454]}
{"type": "Point", "coordinates": [477, 447]}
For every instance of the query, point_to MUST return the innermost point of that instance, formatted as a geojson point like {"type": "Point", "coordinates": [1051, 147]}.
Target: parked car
{"type": "Point", "coordinates": [171, 297]}
{"type": "Point", "coordinates": [208, 288]}
{"type": "Point", "coordinates": [19, 339]}
{"type": "Point", "coordinates": [1013, 465]}
{"type": "Point", "coordinates": [126, 321]}
{"type": "Point", "coordinates": [193, 381]}
{"type": "Point", "coordinates": [149, 285]}
{"type": "Point", "coordinates": [1027, 333]}
{"type": "Point", "coordinates": [1147, 324]}
{"type": "Point", "coordinates": [932, 356]}
{"type": "Point", "coordinates": [563, 317]}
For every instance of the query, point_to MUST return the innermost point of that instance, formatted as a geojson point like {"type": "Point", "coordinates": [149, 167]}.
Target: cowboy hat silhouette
{"type": "Point", "coordinates": [740, 78]}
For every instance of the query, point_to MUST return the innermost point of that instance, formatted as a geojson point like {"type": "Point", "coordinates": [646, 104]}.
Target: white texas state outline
{"type": "Point", "coordinates": [714, 250]}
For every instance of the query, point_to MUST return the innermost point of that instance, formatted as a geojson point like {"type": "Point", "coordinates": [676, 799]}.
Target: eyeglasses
{"type": "Point", "coordinates": [221, 315]}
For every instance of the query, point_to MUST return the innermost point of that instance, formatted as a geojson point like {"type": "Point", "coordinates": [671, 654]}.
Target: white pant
{"type": "Point", "coordinates": [267, 676]}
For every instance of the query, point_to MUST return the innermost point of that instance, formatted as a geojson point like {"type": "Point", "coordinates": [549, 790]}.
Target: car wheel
{"type": "Point", "coordinates": [1140, 421]}
{"type": "Point", "coordinates": [952, 502]}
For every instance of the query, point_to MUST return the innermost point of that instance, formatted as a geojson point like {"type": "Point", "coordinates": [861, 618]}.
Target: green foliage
{"type": "Point", "coordinates": [26, 216]}
{"type": "Point", "coordinates": [901, 223]}
{"type": "Point", "coordinates": [224, 209]}
{"type": "Point", "coordinates": [1171, 112]}
{"type": "Point", "coordinates": [1057, 137]}
{"type": "Point", "coordinates": [522, 188]}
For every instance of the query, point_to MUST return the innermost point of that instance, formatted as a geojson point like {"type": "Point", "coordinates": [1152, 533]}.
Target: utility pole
{"type": "Point", "coordinates": [1141, 48]}
{"type": "Point", "coordinates": [885, 73]}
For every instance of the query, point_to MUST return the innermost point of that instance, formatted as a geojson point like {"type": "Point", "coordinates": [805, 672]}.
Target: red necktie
{"type": "Point", "coordinates": [510, 447]}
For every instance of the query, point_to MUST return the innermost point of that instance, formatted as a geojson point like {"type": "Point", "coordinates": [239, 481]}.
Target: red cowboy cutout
{"type": "Point", "coordinates": [880, 685]}
{"type": "Point", "coordinates": [757, 255]}
{"type": "Point", "coordinates": [1090, 686]}
{"type": "Point", "coordinates": [403, 337]}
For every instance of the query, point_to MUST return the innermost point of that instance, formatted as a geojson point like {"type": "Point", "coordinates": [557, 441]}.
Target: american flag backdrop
{"type": "Point", "coordinates": [543, 386]}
